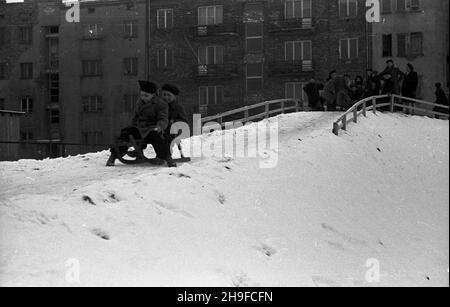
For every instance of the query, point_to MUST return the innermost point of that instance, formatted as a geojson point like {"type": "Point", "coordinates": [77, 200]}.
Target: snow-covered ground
{"type": "Point", "coordinates": [379, 191]}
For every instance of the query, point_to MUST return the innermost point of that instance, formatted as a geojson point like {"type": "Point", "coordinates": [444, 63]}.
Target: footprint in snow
{"type": "Point", "coordinates": [173, 208]}
{"type": "Point", "coordinates": [101, 234]}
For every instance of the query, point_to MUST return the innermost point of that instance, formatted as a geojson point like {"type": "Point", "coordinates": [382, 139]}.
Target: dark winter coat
{"type": "Point", "coordinates": [177, 113]}
{"type": "Point", "coordinates": [329, 92]}
{"type": "Point", "coordinates": [312, 91]}
{"type": "Point", "coordinates": [343, 98]}
{"type": "Point", "coordinates": [442, 99]}
{"type": "Point", "coordinates": [151, 115]}
{"type": "Point", "coordinates": [410, 83]}
{"type": "Point", "coordinates": [397, 76]}
{"type": "Point", "coordinates": [388, 87]}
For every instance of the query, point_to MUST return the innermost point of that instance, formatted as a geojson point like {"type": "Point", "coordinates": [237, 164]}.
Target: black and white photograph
{"type": "Point", "coordinates": [242, 145]}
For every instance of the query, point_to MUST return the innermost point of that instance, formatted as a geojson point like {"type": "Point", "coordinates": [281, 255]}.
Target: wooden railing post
{"type": "Point", "coordinates": [365, 108]}
{"type": "Point", "coordinates": [392, 103]}
{"type": "Point", "coordinates": [355, 115]}
{"type": "Point", "coordinates": [296, 105]}
{"type": "Point", "coordinates": [336, 128]}
{"type": "Point", "coordinates": [267, 110]}
{"type": "Point", "coordinates": [344, 122]}
{"type": "Point", "coordinates": [282, 107]}
{"type": "Point", "coordinates": [374, 104]}
{"type": "Point", "coordinates": [246, 115]}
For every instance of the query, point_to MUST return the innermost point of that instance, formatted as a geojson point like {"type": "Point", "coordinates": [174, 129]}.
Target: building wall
{"type": "Point", "coordinates": [327, 29]}
{"type": "Point", "coordinates": [433, 21]}
{"type": "Point", "coordinates": [9, 132]}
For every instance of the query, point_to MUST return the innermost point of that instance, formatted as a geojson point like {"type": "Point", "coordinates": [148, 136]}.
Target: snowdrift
{"type": "Point", "coordinates": [331, 209]}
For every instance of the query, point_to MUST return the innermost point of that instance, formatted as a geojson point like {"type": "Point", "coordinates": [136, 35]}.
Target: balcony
{"type": "Point", "coordinates": [216, 71]}
{"type": "Point", "coordinates": [290, 68]}
{"type": "Point", "coordinates": [288, 25]}
{"type": "Point", "coordinates": [231, 29]}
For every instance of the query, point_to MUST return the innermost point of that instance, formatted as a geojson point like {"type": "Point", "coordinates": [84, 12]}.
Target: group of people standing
{"type": "Point", "coordinates": [156, 110]}
{"type": "Point", "coordinates": [340, 92]}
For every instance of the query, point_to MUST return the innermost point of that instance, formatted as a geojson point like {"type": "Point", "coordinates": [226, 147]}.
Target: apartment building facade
{"type": "Point", "coordinates": [78, 81]}
{"type": "Point", "coordinates": [416, 32]}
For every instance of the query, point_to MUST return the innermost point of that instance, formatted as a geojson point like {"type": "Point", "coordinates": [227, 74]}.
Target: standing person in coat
{"type": "Point", "coordinates": [329, 93]}
{"type": "Point", "coordinates": [441, 98]}
{"type": "Point", "coordinates": [410, 82]}
{"type": "Point", "coordinates": [396, 75]}
{"type": "Point", "coordinates": [343, 99]}
{"type": "Point", "coordinates": [312, 90]}
{"type": "Point", "coordinates": [150, 120]}
{"type": "Point", "coordinates": [177, 113]}
{"type": "Point", "coordinates": [409, 86]}
{"type": "Point", "coordinates": [357, 89]}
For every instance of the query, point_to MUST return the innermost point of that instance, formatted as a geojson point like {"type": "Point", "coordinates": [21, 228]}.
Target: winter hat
{"type": "Point", "coordinates": [171, 89]}
{"type": "Point", "coordinates": [410, 66]}
{"type": "Point", "coordinates": [389, 61]}
{"type": "Point", "coordinates": [148, 87]}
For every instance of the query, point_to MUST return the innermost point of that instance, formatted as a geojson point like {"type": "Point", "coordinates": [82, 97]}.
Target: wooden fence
{"type": "Point", "coordinates": [246, 114]}
{"type": "Point", "coordinates": [392, 103]}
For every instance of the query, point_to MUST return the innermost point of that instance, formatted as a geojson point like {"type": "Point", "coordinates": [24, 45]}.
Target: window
{"type": "Point", "coordinates": [348, 48]}
{"type": "Point", "coordinates": [130, 66]}
{"type": "Point", "coordinates": [298, 51]}
{"type": "Point", "coordinates": [92, 31]}
{"type": "Point", "coordinates": [254, 12]}
{"type": "Point", "coordinates": [27, 105]}
{"type": "Point", "coordinates": [25, 35]}
{"type": "Point", "coordinates": [254, 37]}
{"type": "Point", "coordinates": [3, 73]}
{"type": "Point", "coordinates": [209, 95]}
{"type": "Point", "coordinates": [387, 45]}
{"type": "Point", "coordinates": [416, 43]}
{"type": "Point", "coordinates": [26, 136]}
{"type": "Point", "coordinates": [130, 29]}
{"type": "Point", "coordinates": [294, 90]}
{"type": "Point", "coordinates": [298, 9]}
{"type": "Point", "coordinates": [129, 102]}
{"type": "Point", "coordinates": [92, 138]}
{"type": "Point", "coordinates": [348, 8]}
{"type": "Point", "coordinates": [164, 19]}
{"type": "Point", "coordinates": [410, 44]}
{"type": "Point", "coordinates": [2, 36]}
{"type": "Point", "coordinates": [26, 71]}
{"type": "Point", "coordinates": [92, 104]}
{"type": "Point", "coordinates": [254, 77]}
{"type": "Point", "coordinates": [408, 5]}
{"type": "Point", "coordinates": [210, 55]}
{"type": "Point", "coordinates": [54, 116]}
{"type": "Point", "coordinates": [164, 58]}
{"type": "Point", "coordinates": [92, 67]}
{"type": "Point", "coordinates": [210, 15]}
{"type": "Point", "coordinates": [386, 6]}
{"type": "Point", "coordinates": [54, 88]}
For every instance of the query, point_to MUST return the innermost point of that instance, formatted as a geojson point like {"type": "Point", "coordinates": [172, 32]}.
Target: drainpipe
{"type": "Point", "coordinates": [147, 39]}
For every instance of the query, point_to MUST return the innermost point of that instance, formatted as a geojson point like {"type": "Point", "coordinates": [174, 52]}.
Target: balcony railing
{"type": "Point", "coordinates": [285, 25]}
{"type": "Point", "coordinates": [291, 67]}
{"type": "Point", "coordinates": [216, 70]}
{"type": "Point", "coordinates": [216, 30]}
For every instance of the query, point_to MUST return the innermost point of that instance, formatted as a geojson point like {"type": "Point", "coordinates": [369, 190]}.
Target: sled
{"type": "Point", "coordinates": [137, 156]}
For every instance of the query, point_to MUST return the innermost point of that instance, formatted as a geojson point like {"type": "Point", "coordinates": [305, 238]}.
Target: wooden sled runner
{"type": "Point", "coordinates": [137, 156]}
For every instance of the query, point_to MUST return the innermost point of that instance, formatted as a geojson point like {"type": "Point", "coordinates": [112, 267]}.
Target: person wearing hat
{"type": "Point", "coordinates": [169, 93]}
{"type": "Point", "coordinates": [441, 99]}
{"type": "Point", "coordinates": [396, 75]}
{"type": "Point", "coordinates": [410, 82]}
{"type": "Point", "coordinates": [149, 122]}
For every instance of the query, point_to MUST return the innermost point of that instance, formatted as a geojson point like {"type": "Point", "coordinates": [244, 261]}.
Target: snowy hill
{"type": "Point", "coordinates": [379, 191]}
